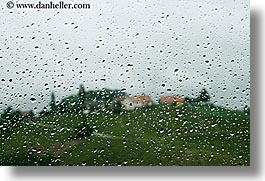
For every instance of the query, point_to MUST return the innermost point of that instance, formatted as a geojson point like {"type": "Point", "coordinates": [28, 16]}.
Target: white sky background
{"type": "Point", "coordinates": [155, 37]}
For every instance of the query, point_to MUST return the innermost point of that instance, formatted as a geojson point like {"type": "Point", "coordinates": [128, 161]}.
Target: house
{"type": "Point", "coordinates": [133, 102]}
{"type": "Point", "coordinates": [27, 115]}
{"type": "Point", "coordinates": [172, 99]}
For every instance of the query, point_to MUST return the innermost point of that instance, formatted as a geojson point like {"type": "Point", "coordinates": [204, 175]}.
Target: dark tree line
{"type": "Point", "coordinates": [92, 99]}
{"type": "Point", "coordinates": [203, 97]}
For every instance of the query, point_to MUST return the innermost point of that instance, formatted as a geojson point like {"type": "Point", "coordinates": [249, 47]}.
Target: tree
{"type": "Point", "coordinates": [7, 113]}
{"type": "Point", "coordinates": [30, 116]}
{"type": "Point", "coordinates": [117, 108]}
{"type": "Point", "coordinates": [53, 103]}
{"type": "Point", "coordinates": [81, 96]}
{"type": "Point", "coordinates": [10, 117]}
{"type": "Point", "coordinates": [247, 110]}
{"type": "Point", "coordinates": [204, 96]}
{"type": "Point", "coordinates": [94, 100]}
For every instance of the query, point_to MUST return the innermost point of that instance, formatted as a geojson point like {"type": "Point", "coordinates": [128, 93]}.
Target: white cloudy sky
{"type": "Point", "coordinates": [137, 45]}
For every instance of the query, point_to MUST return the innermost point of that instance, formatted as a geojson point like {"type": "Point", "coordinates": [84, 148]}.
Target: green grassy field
{"type": "Point", "coordinates": [160, 135]}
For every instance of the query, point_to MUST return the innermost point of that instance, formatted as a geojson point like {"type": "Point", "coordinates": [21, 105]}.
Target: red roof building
{"type": "Point", "coordinates": [171, 99]}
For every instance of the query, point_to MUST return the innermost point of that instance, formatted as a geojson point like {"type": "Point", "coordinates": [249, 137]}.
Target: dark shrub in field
{"type": "Point", "coordinates": [83, 132]}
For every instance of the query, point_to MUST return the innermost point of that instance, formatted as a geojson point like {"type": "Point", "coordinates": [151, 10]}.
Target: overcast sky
{"type": "Point", "coordinates": [154, 47]}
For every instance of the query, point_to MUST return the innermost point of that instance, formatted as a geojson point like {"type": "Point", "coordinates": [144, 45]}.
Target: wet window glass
{"type": "Point", "coordinates": [125, 83]}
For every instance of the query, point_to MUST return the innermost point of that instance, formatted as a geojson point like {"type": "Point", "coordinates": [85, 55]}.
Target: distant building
{"type": "Point", "coordinates": [27, 115]}
{"type": "Point", "coordinates": [172, 99]}
{"type": "Point", "coordinates": [132, 102]}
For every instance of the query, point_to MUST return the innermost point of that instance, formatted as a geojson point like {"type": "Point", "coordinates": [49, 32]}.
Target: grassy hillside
{"type": "Point", "coordinates": [160, 135]}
